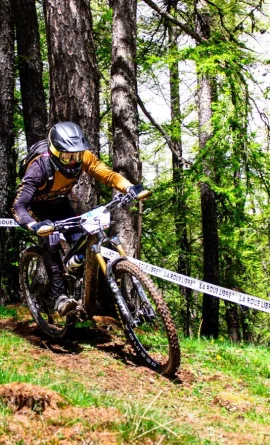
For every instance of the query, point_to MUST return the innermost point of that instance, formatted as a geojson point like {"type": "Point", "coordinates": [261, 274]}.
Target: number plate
{"type": "Point", "coordinates": [54, 239]}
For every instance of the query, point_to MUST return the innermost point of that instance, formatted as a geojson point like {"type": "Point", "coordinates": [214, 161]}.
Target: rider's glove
{"type": "Point", "coordinates": [35, 227]}
{"type": "Point", "coordinates": [134, 190]}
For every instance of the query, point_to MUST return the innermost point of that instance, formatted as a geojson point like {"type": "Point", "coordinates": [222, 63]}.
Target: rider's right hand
{"type": "Point", "coordinates": [134, 190]}
{"type": "Point", "coordinates": [138, 192]}
{"type": "Point", "coordinates": [35, 227]}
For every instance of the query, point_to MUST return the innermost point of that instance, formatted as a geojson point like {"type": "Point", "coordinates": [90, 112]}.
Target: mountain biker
{"type": "Point", "coordinates": [35, 206]}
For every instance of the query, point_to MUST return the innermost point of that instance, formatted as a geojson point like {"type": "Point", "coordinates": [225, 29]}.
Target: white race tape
{"type": "Point", "coordinates": [182, 280]}
{"type": "Point", "coordinates": [193, 283]}
{"type": "Point", "coordinates": [8, 222]}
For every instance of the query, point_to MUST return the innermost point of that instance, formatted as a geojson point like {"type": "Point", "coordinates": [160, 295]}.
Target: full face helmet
{"type": "Point", "coordinates": [67, 145]}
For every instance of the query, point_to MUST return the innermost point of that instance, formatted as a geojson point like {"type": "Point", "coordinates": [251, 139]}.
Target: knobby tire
{"type": "Point", "coordinates": [169, 363]}
{"type": "Point", "coordinates": [35, 289]}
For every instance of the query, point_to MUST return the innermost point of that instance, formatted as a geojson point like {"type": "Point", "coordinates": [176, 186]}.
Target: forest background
{"type": "Point", "coordinates": [172, 94]}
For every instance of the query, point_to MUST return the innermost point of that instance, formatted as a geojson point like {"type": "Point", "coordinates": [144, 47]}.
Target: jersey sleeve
{"type": "Point", "coordinates": [100, 171]}
{"type": "Point", "coordinates": [34, 178]}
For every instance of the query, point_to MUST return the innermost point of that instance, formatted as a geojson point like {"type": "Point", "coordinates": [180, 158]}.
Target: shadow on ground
{"type": "Point", "coordinates": [103, 333]}
{"type": "Point", "coordinates": [100, 337]}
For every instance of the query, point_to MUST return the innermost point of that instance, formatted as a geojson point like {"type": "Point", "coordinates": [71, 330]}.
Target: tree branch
{"type": "Point", "coordinates": [105, 112]}
{"type": "Point", "coordinates": [169, 17]}
{"type": "Point", "coordinates": [154, 123]}
{"type": "Point", "coordinates": [221, 16]}
{"type": "Point", "coordinates": [161, 130]}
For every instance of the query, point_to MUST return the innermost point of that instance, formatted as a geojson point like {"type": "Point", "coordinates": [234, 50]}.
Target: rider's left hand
{"type": "Point", "coordinates": [37, 226]}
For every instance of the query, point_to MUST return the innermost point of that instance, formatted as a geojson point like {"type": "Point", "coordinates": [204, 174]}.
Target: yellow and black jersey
{"type": "Point", "coordinates": [33, 186]}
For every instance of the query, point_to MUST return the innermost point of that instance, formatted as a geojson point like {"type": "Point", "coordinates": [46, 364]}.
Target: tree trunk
{"type": "Point", "coordinates": [232, 319]}
{"type": "Point", "coordinates": [210, 312]}
{"type": "Point", "coordinates": [30, 70]}
{"type": "Point", "coordinates": [125, 113]}
{"type": "Point", "coordinates": [74, 79]}
{"type": "Point", "coordinates": [178, 180]}
{"type": "Point", "coordinates": [8, 171]}
{"type": "Point", "coordinates": [247, 322]}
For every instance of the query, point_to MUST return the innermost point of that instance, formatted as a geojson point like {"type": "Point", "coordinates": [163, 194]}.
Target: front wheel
{"type": "Point", "coordinates": [35, 288]}
{"type": "Point", "coordinates": [150, 328]}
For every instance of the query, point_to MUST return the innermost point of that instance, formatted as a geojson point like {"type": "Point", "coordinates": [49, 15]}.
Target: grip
{"type": "Point", "coordinates": [144, 194]}
{"type": "Point", "coordinates": [45, 230]}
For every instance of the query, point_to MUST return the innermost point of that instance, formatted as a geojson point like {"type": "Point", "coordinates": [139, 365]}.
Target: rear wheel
{"type": "Point", "coordinates": [35, 287]}
{"type": "Point", "coordinates": [150, 329]}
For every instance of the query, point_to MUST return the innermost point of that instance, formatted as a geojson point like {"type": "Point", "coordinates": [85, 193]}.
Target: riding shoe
{"type": "Point", "coordinates": [64, 305]}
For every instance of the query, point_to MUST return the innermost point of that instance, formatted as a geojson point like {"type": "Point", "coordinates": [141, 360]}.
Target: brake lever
{"type": "Point", "coordinates": [66, 226]}
{"type": "Point", "coordinates": [115, 203]}
{"type": "Point", "coordinates": [128, 197]}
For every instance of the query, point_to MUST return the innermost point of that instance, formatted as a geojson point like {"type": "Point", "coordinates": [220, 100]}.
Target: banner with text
{"type": "Point", "coordinates": [182, 280]}
{"type": "Point", "coordinates": [195, 284]}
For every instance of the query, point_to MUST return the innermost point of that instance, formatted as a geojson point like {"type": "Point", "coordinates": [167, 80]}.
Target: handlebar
{"type": "Point", "coordinates": [119, 200]}
{"type": "Point", "coordinates": [144, 195]}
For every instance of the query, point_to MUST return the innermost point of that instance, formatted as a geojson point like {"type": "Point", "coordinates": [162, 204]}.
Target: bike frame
{"type": "Point", "coordinates": [90, 243]}
{"type": "Point", "coordinates": [138, 302]}
{"type": "Point", "coordinates": [94, 257]}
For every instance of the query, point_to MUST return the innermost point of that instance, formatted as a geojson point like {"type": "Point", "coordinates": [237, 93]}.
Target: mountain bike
{"type": "Point", "coordinates": [144, 316]}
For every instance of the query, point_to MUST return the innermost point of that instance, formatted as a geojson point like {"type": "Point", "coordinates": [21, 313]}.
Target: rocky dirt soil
{"type": "Point", "coordinates": [38, 415]}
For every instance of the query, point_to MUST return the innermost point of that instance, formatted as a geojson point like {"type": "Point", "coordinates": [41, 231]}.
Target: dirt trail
{"type": "Point", "coordinates": [109, 361]}
{"type": "Point", "coordinates": [42, 416]}
{"type": "Point", "coordinates": [96, 358]}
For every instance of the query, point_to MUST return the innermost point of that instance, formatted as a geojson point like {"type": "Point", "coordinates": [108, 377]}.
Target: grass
{"type": "Point", "coordinates": [6, 312]}
{"type": "Point", "coordinates": [245, 364]}
{"type": "Point", "coordinates": [23, 368]}
{"type": "Point", "coordinates": [224, 394]}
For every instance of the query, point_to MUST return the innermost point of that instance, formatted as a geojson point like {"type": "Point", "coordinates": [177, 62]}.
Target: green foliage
{"type": "Point", "coordinates": [234, 161]}
{"type": "Point", "coordinates": [102, 19]}
{"type": "Point", "coordinates": [43, 49]}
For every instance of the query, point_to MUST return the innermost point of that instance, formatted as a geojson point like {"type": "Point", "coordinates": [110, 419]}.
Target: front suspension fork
{"type": "Point", "coordinates": [107, 269]}
{"type": "Point", "coordinates": [116, 242]}
{"type": "Point", "coordinates": [97, 252]}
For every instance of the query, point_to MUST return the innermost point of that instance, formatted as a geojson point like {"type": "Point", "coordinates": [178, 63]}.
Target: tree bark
{"type": "Point", "coordinates": [178, 180]}
{"type": "Point", "coordinates": [210, 312]}
{"type": "Point", "coordinates": [30, 70]}
{"type": "Point", "coordinates": [232, 320]}
{"type": "Point", "coordinates": [7, 161]}
{"type": "Point", "coordinates": [74, 79]}
{"type": "Point", "coordinates": [6, 98]}
{"type": "Point", "coordinates": [125, 113]}
{"type": "Point", "coordinates": [246, 322]}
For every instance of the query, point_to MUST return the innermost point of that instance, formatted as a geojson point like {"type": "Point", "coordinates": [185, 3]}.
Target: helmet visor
{"type": "Point", "coordinates": [67, 158]}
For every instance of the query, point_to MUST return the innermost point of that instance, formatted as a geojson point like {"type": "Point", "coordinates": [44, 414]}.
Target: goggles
{"type": "Point", "coordinates": [67, 158]}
